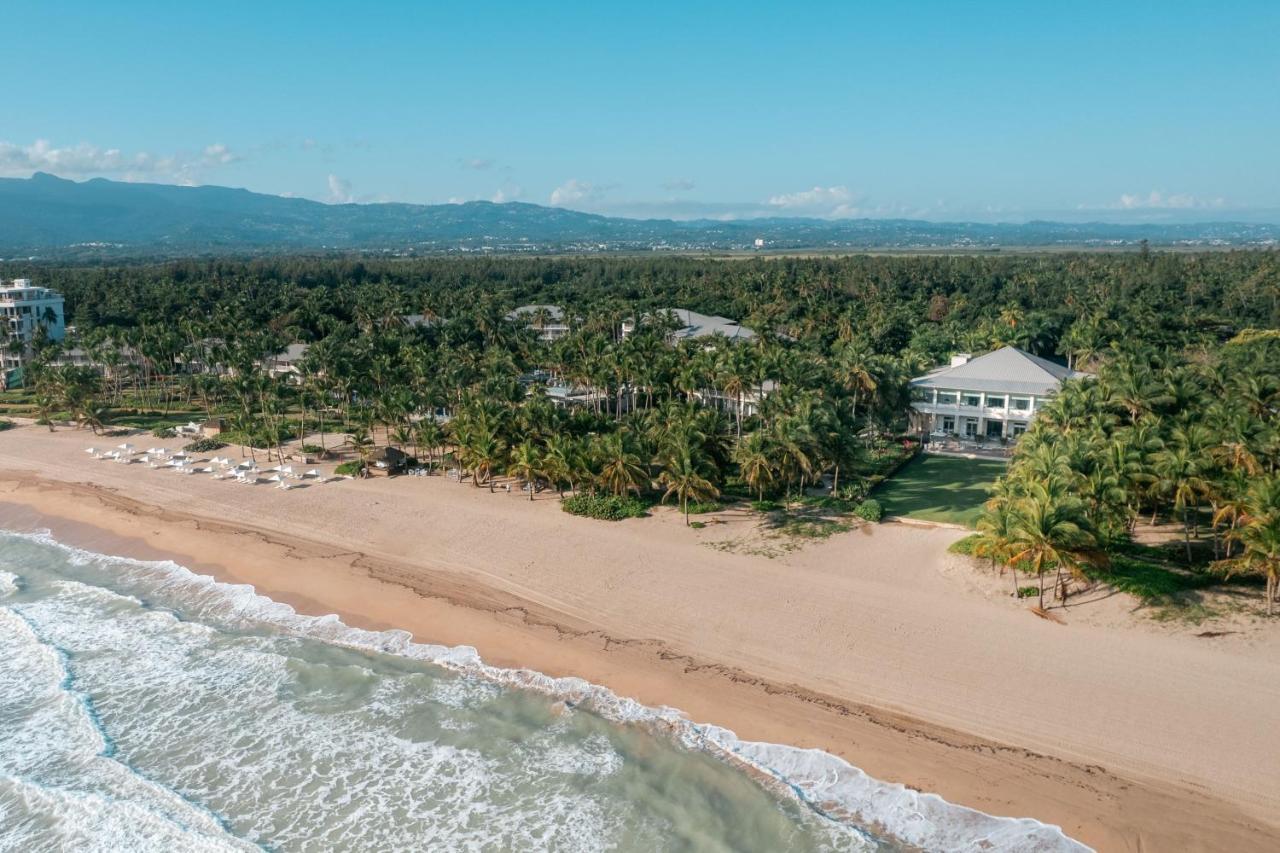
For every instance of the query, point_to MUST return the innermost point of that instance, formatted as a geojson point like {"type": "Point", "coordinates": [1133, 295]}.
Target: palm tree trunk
{"type": "Point", "coordinates": [1186, 533]}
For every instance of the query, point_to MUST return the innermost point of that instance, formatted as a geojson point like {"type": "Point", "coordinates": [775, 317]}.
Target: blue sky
{"type": "Point", "coordinates": [994, 111]}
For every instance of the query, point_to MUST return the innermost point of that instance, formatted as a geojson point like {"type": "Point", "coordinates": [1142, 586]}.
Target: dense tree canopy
{"type": "Point", "coordinates": [1181, 415]}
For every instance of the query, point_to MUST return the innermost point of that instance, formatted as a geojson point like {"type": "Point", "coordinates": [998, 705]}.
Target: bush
{"type": "Point", "coordinates": [6, 424]}
{"type": "Point", "coordinates": [965, 546]}
{"type": "Point", "coordinates": [349, 469]}
{"type": "Point", "coordinates": [766, 506]}
{"type": "Point", "coordinates": [698, 508]}
{"type": "Point", "coordinates": [605, 507]}
{"type": "Point", "coordinates": [869, 510]}
{"type": "Point", "coordinates": [697, 525]}
{"type": "Point", "coordinates": [204, 445]}
{"type": "Point", "coordinates": [164, 432]}
{"type": "Point", "coordinates": [1028, 591]}
{"type": "Point", "coordinates": [311, 449]}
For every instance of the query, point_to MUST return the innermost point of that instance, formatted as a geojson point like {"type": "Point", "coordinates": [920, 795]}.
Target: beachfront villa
{"type": "Point", "coordinates": [690, 325]}
{"type": "Point", "coordinates": [988, 398]}
{"type": "Point", "coordinates": [286, 362]}
{"type": "Point", "coordinates": [547, 320]}
{"type": "Point", "coordinates": [745, 404]}
{"type": "Point", "coordinates": [25, 308]}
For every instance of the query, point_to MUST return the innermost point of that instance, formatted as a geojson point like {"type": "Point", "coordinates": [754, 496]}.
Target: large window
{"type": "Point", "coordinates": [995, 401]}
{"type": "Point", "coordinates": [948, 423]}
{"type": "Point", "coordinates": [947, 398]}
{"type": "Point", "coordinates": [971, 398]}
{"type": "Point", "coordinates": [1020, 404]}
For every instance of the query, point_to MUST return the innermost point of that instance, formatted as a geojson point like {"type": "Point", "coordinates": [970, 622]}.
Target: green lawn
{"type": "Point", "coordinates": [939, 488]}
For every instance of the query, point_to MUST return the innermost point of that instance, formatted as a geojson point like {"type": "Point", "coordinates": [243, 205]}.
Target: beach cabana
{"type": "Point", "coordinates": [386, 461]}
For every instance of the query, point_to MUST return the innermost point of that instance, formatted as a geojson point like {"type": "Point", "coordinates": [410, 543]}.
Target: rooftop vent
{"type": "Point", "coordinates": [960, 358]}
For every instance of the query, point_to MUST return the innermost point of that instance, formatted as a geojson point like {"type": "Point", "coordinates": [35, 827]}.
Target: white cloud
{"type": "Point", "coordinates": [508, 192]}
{"type": "Point", "coordinates": [480, 164]}
{"type": "Point", "coordinates": [340, 190]}
{"type": "Point", "coordinates": [580, 193]}
{"type": "Point", "coordinates": [831, 202]}
{"type": "Point", "coordinates": [219, 154]}
{"type": "Point", "coordinates": [574, 191]}
{"type": "Point", "coordinates": [86, 160]}
{"type": "Point", "coordinates": [679, 185]}
{"type": "Point", "coordinates": [1157, 200]}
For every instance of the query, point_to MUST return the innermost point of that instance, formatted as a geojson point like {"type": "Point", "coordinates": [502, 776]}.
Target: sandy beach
{"type": "Point", "coordinates": [872, 644]}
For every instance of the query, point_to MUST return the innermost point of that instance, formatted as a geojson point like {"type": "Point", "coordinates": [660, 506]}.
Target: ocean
{"type": "Point", "coordinates": [144, 707]}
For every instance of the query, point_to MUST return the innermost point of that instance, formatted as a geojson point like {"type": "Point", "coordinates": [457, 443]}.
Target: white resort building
{"type": "Point", "coordinates": [25, 308]}
{"type": "Point", "coordinates": [990, 398]}
{"type": "Point", "coordinates": [286, 362]}
{"type": "Point", "coordinates": [692, 325]}
{"type": "Point", "coordinates": [547, 320]}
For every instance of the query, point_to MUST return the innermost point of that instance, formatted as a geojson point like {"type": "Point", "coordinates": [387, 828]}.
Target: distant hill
{"type": "Point", "coordinates": [51, 217]}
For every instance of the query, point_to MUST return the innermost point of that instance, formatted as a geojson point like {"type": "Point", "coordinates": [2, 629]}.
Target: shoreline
{"type": "Point", "coordinates": [824, 783]}
{"type": "Point", "coordinates": [516, 625]}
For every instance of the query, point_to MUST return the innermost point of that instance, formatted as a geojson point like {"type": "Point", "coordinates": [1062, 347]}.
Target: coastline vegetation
{"type": "Point", "coordinates": [1185, 437]}
{"type": "Point", "coordinates": [1179, 425]}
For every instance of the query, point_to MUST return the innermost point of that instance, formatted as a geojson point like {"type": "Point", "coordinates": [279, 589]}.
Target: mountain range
{"type": "Point", "coordinates": [46, 216]}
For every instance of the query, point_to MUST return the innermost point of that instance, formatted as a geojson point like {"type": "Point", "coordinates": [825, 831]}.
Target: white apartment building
{"type": "Point", "coordinates": [991, 397]}
{"type": "Point", "coordinates": [23, 309]}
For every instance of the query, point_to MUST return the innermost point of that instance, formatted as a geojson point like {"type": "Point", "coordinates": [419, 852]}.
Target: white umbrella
{"type": "Point", "coordinates": [125, 447]}
{"type": "Point", "coordinates": [314, 472]}
{"type": "Point", "coordinates": [91, 450]}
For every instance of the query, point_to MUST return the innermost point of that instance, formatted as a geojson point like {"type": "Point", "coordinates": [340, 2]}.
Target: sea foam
{"type": "Point", "coordinates": [827, 783]}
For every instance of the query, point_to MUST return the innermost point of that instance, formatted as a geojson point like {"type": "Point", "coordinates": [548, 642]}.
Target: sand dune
{"type": "Point", "coordinates": [868, 645]}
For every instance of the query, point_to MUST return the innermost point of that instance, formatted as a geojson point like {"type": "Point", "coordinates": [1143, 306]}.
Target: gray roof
{"type": "Point", "coordinates": [555, 312]}
{"type": "Point", "coordinates": [704, 325]}
{"type": "Point", "coordinates": [1009, 369]}
{"type": "Point", "coordinates": [291, 353]}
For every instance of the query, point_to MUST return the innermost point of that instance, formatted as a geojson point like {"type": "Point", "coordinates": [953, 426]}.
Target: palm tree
{"type": "Point", "coordinates": [1260, 540]}
{"type": "Point", "coordinates": [686, 474]}
{"type": "Point", "coordinates": [1179, 470]}
{"type": "Point", "coordinates": [429, 435]}
{"type": "Point", "coordinates": [556, 462]}
{"type": "Point", "coordinates": [362, 444]}
{"type": "Point", "coordinates": [484, 451]}
{"type": "Point", "coordinates": [1048, 531]}
{"type": "Point", "coordinates": [853, 369]}
{"type": "Point", "coordinates": [621, 469]}
{"type": "Point", "coordinates": [997, 529]}
{"type": "Point", "coordinates": [755, 463]}
{"type": "Point", "coordinates": [526, 463]}
{"type": "Point", "coordinates": [1259, 537]}
{"type": "Point", "coordinates": [402, 436]}
{"type": "Point", "coordinates": [94, 417]}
